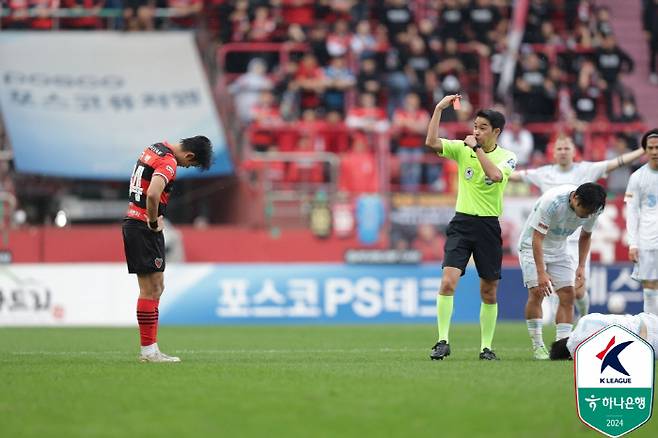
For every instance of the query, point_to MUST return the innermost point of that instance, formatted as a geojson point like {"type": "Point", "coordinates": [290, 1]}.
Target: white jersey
{"type": "Point", "coordinates": [553, 216]}
{"type": "Point", "coordinates": [592, 323]}
{"type": "Point", "coordinates": [552, 175]}
{"type": "Point", "coordinates": [642, 209]}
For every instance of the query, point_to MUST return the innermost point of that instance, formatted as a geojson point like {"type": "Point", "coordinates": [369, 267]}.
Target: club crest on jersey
{"type": "Point", "coordinates": [170, 169]}
{"type": "Point", "coordinates": [468, 173]}
{"type": "Point", "coordinates": [158, 262]}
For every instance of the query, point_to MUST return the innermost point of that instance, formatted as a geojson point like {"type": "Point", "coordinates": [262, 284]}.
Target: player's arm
{"type": "Point", "coordinates": [632, 199]}
{"type": "Point", "coordinates": [432, 139]}
{"type": "Point", "coordinates": [490, 169]}
{"type": "Point", "coordinates": [516, 176]}
{"type": "Point", "coordinates": [584, 242]}
{"type": "Point", "coordinates": [624, 159]}
{"type": "Point", "coordinates": [153, 194]}
{"type": "Point", "coordinates": [544, 281]}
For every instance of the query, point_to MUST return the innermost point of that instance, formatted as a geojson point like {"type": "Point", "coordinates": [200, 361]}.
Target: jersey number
{"type": "Point", "coordinates": [136, 183]}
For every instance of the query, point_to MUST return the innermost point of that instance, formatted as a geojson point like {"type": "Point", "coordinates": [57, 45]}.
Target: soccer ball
{"type": "Point", "coordinates": [616, 303]}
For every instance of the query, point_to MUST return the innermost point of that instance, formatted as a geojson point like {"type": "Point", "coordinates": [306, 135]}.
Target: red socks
{"type": "Point", "coordinates": [147, 318]}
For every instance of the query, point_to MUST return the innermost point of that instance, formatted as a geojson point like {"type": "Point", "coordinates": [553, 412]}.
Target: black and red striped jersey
{"type": "Point", "coordinates": [157, 159]}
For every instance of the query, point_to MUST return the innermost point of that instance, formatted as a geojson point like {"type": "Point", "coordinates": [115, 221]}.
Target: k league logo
{"type": "Point", "coordinates": [614, 373]}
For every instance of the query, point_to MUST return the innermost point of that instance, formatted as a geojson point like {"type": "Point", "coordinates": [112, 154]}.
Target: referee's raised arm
{"type": "Point", "coordinates": [432, 140]}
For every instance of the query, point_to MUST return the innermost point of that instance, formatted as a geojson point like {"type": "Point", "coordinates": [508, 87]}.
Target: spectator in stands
{"type": "Point", "coordinates": [363, 42]}
{"type": "Point", "coordinates": [287, 90]}
{"type": "Point", "coordinates": [311, 80]}
{"type": "Point", "coordinates": [417, 60]}
{"type": "Point", "coordinates": [539, 12]}
{"type": "Point", "coordinates": [300, 12]}
{"type": "Point", "coordinates": [248, 88]}
{"type": "Point", "coordinates": [396, 16]}
{"type": "Point", "coordinates": [603, 25]}
{"type": "Point", "coordinates": [483, 19]}
{"type": "Point", "coordinates": [586, 93]}
{"type": "Point", "coordinates": [139, 14]}
{"type": "Point", "coordinates": [518, 140]}
{"type": "Point", "coordinates": [369, 80]}
{"type": "Point", "coordinates": [534, 93]}
{"type": "Point", "coordinates": [318, 35]}
{"type": "Point", "coordinates": [452, 21]}
{"type": "Point", "coordinates": [266, 119]}
{"type": "Point", "coordinates": [367, 117]}
{"type": "Point", "coordinates": [89, 18]}
{"type": "Point", "coordinates": [263, 25]}
{"type": "Point", "coordinates": [628, 110]}
{"type": "Point", "coordinates": [21, 10]}
{"type": "Point", "coordinates": [409, 126]}
{"type": "Point", "coordinates": [650, 24]}
{"type": "Point", "coordinates": [338, 41]}
{"type": "Point", "coordinates": [358, 168]}
{"type": "Point", "coordinates": [186, 14]}
{"type": "Point", "coordinates": [335, 133]}
{"type": "Point", "coordinates": [618, 178]}
{"type": "Point", "coordinates": [611, 60]}
{"type": "Point", "coordinates": [338, 80]}
{"type": "Point", "coordinates": [306, 168]}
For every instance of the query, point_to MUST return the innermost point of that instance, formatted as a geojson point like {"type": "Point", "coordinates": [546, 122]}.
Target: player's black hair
{"type": "Point", "coordinates": [559, 350]}
{"type": "Point", "coordinates": [591, 196]}
{"type": "Point", "coordinates": [497, 119]}
{"type": "Point", "coordinates": [645, 137]}
{"type": "Point", "coordinates": [202, 149]}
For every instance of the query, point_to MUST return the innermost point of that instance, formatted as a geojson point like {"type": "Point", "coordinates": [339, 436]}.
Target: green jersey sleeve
{"type": "Point", "coordinates": [451, 148]}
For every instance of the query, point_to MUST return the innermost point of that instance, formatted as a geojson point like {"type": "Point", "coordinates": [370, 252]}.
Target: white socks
{"type": "Point", "coordinates": [150, 349]}
{"type": "Point", "coordinates": [563, 330]}
{"type": "Point", "coordinates": [535, 331]}
{"type": "Point", "coordinates": [651, 301]}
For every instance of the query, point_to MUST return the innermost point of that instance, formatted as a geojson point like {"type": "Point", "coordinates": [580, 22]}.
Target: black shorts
{"type": "Point", "coordinates": [477, 235]}
{"type": "Point", "coordinates": [145, 250]}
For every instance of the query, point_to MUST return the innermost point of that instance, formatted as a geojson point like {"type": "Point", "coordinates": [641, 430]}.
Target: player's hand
{"type": "Point", "coordinates": [580, 277]}
{"type": "Point", "coordinates": [160, 225]}
{"type": "Point", "coordinates": [447, 101]}
{"type": "Point", "coordinates": [633, 255]}
{"type": "Point", "coordinates": [470, 141]}
{"type": "Point", "coordinates": [545, 285]}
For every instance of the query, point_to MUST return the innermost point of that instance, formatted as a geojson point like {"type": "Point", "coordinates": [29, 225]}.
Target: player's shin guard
{"type": "Point", "coordinates": [488, 317]}
{"type": "Point", "coordinates": [582, 305]}
{"type": "Point", "coordinates": [444, 315]}
{"type": "Point", "coordinates": [147, 318]}
{"type": "Point", "coordinates": [651, 301]}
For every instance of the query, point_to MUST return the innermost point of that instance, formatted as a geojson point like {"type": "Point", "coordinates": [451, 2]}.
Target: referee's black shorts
{"type": "Point", "coordinates": [145, 249]}
{"type": "Point", "coordinates": [477, 235]}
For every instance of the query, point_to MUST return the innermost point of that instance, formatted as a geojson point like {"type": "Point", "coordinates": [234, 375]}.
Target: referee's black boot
{"type": "Point", "coordinates": [440, 350]}
{"type": "Point", "coordinates": [487, 354]}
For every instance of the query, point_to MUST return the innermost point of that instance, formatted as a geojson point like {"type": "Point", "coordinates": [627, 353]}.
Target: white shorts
{"type": "Point", "coordinates": [647, 266]}
{"type": "Point", "coordinates": [561, 270]}
{"type": "Point", "coordinates": [572, 250]}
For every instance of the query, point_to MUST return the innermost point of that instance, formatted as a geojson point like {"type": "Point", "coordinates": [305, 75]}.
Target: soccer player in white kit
{"type": "Point", "coordinates": [642, 222]}
{"type": "Point", "coordinates": [542, 254]}
{"type": "Point", "coordinates": [645, 325]}
{"type": "Point", "coordinates": [565, 171]}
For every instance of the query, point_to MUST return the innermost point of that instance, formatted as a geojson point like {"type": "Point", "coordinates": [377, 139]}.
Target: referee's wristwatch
{"type": "Point", "coordinates": [476, 147]}
{"type": "Point", "coordinates": [153, 225]}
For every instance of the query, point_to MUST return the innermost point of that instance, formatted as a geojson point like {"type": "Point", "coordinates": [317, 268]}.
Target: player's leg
{"type": "Point", "coordinates": [533, 307]}
{"type": "Point", "coordinates": [488, 257]}
{"type": "Point", "coordinates": [564, 318]}
{"type": "Point", "coordinates": [457, 251]}
{"type": "Point", "coordinates": [563, 275]}
{"type": "Point", "coordinates": [581, 295]}
{"type": "Point", "coordinates": [646, 270]}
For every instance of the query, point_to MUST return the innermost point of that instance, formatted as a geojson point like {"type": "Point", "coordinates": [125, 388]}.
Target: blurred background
{"type": "Point", "coordinates": [322, 203]}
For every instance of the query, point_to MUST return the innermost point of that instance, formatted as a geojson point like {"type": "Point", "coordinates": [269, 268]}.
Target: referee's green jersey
{"type": "Point", "coordinates": [477, 195]}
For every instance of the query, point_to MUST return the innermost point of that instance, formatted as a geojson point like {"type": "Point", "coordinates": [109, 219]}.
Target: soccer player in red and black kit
{"type": "Point", "coordinates": [150, 186]}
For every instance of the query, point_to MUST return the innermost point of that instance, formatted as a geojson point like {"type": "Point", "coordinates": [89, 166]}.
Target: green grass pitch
{"type": "Point", "coordinates": [311, 381]}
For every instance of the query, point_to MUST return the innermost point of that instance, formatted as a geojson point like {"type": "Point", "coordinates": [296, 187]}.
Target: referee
{"type": "Point", "coordinates": [484, 168]}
